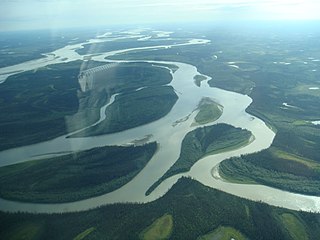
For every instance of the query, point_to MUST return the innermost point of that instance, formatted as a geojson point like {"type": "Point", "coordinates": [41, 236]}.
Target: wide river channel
{"type": "Point", "coordinates": [168, 131]}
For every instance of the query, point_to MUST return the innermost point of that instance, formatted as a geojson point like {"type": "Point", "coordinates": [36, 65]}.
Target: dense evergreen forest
{"type": "Point", "coordinates": [75, 176]}
{"type": "Point", "coordinates": [35, 105]}
{"type": "Point", "coordinates": [269, 66]}
{"type": "Point", "coordinates": [275, 168]}
{"type": "Point", "coordinates": [21, 46]}
{"type": "Point", "coordinates": [205, 141]}
{"type": "Point", "coordinates": [44, 104]}
{"type": "Point", "coordinates": [196, 210]}
{"type": "Point", "coordinates": [278, 70]}
{"type": "Point", "coordinates": [134, 109]}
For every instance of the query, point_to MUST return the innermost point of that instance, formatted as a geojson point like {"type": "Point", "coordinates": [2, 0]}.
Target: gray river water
{"type": "Point", "coordinates": [166, 133]}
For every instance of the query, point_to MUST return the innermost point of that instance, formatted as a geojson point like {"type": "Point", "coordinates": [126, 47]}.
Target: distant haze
{"type": "Point", "coordinates": [40, 14]}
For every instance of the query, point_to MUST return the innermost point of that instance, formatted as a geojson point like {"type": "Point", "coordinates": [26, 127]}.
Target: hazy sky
{"type": "Point", "coordinates": [35, 14]}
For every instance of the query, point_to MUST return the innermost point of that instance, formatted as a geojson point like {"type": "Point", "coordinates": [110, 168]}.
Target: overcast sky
{"type": "Point", "coordinates": [39, 14]}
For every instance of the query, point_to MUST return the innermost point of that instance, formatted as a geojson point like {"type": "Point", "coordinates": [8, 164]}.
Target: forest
{"type": "Point", "coordinates": [281, 97]}
{"type": "Point", "coordinates": [40, 105]}
{"type": "Point", "coordinates": [205, 141]}
{"type": "Point", "coordinates": [196, 211]}
{"type": "Point", "coordinates": [35, 43]}
{"type": "Point", "coordinates": [274, 168]}
{"type": "Point", "coordinates": [33, 105]}
{"type": "Point", "coordinates": [75, 176]}
{"type": "Point", "coordinates": [122, 44]}
{"type": "Point", "coordinates": [134, 109]}
{"type": "Point", "coordinates": [261, 76]}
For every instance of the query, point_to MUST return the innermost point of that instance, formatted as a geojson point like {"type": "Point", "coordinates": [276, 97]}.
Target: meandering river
{"type": "Point", "coordinates": [166, 133]}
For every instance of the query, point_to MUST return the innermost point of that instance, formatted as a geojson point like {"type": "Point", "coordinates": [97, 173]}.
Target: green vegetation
{"type": "Point", "coordinates": [84, 234]}
{"type": "Point", "coordinates": [209, 111]}
{"type": "Point", "coordinates": [122, 44]}
{"type": "Point", "coordinates": [195, 209]}
{"type": "Point", "coordinates": [126, 77]}
{"type": "Point", "coordinates": [293, 160]}
{"type": "Point", "coordinates": [267, 82]}
{"type": "Point", "coordinates": [21, 46]}
{"type": "Point", "coordinates": [234, 83]}
{"type": "Point", "coordinates": [275, 168]}
{"type": "Point", "coordinates": [205, 141]}
{"type": "Point", "coordinates": [27, 231]}
{"type": "Point", "coordinates": [44, 104]}
{"type": "Point", "coordinates": [198, 79]}
{"type": "Point", "coordinates": [174, 68]}
{"type": "Point", "coordinates": [35, 105]}
{"type": "Point", "coordinates": [134, 109]}
{"type": "Point", "coordinates": [201, 56]}
{"type": "Point", "coordinates": [223, 233]}
{"type": "Point", "coordinates": [294, 227]}
{"type": "Point", "coordinates": [74, 176]}
{"type": "Point", "coordinates": [161, 228]}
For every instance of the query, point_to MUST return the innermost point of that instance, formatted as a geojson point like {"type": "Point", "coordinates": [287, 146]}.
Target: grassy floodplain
{"type": "Point", "coordinates": [205, 141]}
{"type": "Point", "coordinates": [209, 111]}
{"type": "Point", "coordinates": [74, 176]}
{"type": "Point", "coordinates": [223, 233]}
{"type": "Point", "coordinates": [294, 226]}
{"type": "Point", "coordinates": [84, 234]}
{"type": "Point", "coordinates": [161, 228]}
